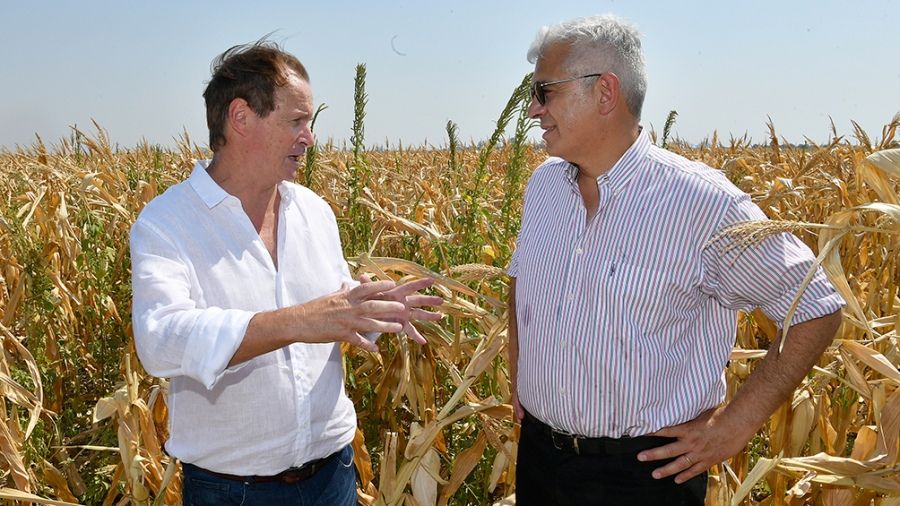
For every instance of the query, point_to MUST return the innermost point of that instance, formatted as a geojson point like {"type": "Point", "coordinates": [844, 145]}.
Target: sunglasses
{"type": "Point", "coordinates": [537, 87]}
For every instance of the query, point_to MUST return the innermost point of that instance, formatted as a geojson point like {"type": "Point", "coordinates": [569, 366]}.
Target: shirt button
{"type": "Point", "coordinates": [562, 391]}
{"type": "Point", "coordinates": [571, 296]}
{"type": "Point", "coordinates": [578, 251]}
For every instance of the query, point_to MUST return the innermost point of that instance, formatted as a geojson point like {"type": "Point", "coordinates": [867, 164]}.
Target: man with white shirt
{"type": "Point", "coordinates": [623, 307]}
{"type": "Point", "coordinates": [242, 297]}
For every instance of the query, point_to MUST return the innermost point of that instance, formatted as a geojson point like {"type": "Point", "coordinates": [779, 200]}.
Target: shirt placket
{"type": "Point", "coordinates": [578, 330]}
{"type": "Point", "coordinates": [568, 333]}
{"type": "Point", "coordinates": [298, 356]}
{"type": "Point", "coordinates": [302, 386]}
{"type": "Point", "coordinates": [596, 230]}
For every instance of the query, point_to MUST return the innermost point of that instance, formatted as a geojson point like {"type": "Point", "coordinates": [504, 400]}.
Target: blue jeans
{"type": "Point", "coordinates": [334, 484]}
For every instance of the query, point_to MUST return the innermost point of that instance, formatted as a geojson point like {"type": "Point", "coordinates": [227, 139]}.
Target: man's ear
{"type": "Point", "coordinates": [239, 116]}
{"type": "Point", "coordinates": [608, 92]}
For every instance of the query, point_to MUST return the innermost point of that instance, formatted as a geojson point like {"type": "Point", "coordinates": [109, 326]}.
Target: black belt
{"type": "Point", "coordinates": [289, 476]}
{"type": "Point", "coordinates": [580, 445]}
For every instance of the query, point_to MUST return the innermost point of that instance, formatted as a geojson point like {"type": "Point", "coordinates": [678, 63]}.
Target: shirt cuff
{"type": "Point", "coordinates": [216, 336]}
{"type": "Point", "coordinates": [819, 299]}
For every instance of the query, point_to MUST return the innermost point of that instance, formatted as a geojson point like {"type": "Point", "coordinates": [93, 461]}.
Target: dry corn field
{"type": "Point", "coordinates": [85, 424]}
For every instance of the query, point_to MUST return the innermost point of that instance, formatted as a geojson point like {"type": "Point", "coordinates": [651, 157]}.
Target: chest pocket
{"type": "Point", "coordinates": [638, 298]}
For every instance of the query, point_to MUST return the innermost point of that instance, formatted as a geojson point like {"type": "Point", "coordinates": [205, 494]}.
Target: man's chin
{"type": "Point", "coordinates": [292, 165]}
{"type": "Point", "coordinates": [552, 150]}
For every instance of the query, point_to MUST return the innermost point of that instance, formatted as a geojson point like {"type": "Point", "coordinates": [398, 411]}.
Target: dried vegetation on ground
{"type": "Point", "coordinates": [85, 424]}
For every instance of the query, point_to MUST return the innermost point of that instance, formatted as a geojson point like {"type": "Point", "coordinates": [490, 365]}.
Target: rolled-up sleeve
{"type": "Point", "coordinates": [767, 275]}
{"type": "Point", "coordinates": [173, 336]}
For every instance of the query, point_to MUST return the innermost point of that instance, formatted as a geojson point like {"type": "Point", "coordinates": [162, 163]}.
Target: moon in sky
{"type": "Point", "coordinates": [395, 47]}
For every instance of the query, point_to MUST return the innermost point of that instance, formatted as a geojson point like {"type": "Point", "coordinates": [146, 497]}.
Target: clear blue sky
{"type": "Point", "coordinates": [139, 68]}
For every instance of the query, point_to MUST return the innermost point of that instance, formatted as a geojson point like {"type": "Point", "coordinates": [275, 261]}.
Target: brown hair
{"type": "Point", "coordinates": [251, 72]}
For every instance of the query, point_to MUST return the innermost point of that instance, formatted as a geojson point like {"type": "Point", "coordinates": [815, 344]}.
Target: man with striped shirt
{"type": "Point", "coordinates": [622, 309]}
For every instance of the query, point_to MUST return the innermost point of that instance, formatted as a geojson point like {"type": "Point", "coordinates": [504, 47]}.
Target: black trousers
{"type": "Point", "coordinates": [546, 475]}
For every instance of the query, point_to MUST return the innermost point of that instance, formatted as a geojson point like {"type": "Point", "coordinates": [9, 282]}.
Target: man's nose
{"type": "Point", "coordinates": [306, 136]}
{"type": "Point", "coordinates": [535, 109]}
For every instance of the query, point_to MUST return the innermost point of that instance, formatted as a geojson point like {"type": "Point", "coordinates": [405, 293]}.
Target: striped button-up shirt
{"type": "Point", "coordinates": [626, 322]}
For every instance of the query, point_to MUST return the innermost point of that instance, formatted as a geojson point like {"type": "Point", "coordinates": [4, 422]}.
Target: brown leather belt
{"type": "Point", "coordinates": [290, 476]}
{"type": "Point", "coordinates": [580, 445]}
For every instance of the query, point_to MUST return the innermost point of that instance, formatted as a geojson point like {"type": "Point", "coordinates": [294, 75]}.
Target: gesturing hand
{"type": "Point", "coordinates": [701, 443]}
{"type": "Point", "coordinates": [413, 301]}
{"type": "Point", "coordinates": [346, 314]}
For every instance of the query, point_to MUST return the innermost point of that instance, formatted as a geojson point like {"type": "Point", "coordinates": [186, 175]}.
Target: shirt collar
{"type": "Point", "coordinates": [211, 193]}
{"type": "Point", "coordinates": [208, 190]}
{"type": "Point", "coordinates": [624, 169]}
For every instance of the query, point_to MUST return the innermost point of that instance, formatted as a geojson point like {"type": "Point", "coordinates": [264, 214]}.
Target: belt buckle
{"type": "Point", "coordinates": [568, 438]}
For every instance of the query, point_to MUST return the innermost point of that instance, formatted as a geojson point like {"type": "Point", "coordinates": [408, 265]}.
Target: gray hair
{"type": "Point", "coordinates": [600, 44]}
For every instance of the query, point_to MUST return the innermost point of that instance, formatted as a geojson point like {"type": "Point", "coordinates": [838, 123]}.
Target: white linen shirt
{"type": "Point", "coordinates": [200, 272]}
{"type": "Point", "coordinates": [626, 323]}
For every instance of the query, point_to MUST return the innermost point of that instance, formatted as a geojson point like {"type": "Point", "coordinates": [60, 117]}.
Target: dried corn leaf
{"type": "Point", "coordinates": [169, 475]}
{"type": "Point", "coordinates": [889, 430]}
{"type": "Point", "coordinates": [826, 465]}
{"type": "Point", "coordinates": [888, 162]}
{"type": "Point", "coordinates": [501, 463]}
{"type": "Point", "coordinates": [34, 400]}
{"type": "Point", "coordinates": [740, 354]}
{"type": "Point", "coordinates": [424, 480]}
{"type": "Point", "coordinates": [421, 442]}
{"type": "Point", "coordinates": [17, 495]}
{"type": "Point", "coordinates": [426, 231]}
{"type": "Point", "coordinates": [760, 470]}
{"type": "Point", "coordinates": [388, 479]}
{"type": "Point", "coordinates": [866, 439]}
{"type": "Point", "coordinates": [10, 447]}
{"type": "Point", "coordinates": [873, 359]}
{"type": "Point", "coordinates": [414, 269]}
{"type": "Point", "coordinates": [828, 241]}
{"type": "Point", "coordinates": [802, 421]}
{"type": "Point", "coordinates": [362, 459]}
{"type": "Point", "coordinates": [9, 312]}
{"type": "Point", "coordinates": [463, 465]}
{"type": "Point", "coordinates": [57, 480]}
{"type": "Point", "coordinates": [487, 350]}
{"type": "Point", "coordinates": [854, 375]}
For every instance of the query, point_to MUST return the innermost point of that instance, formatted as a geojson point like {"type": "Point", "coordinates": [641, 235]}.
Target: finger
{"type": "Point", "coordinates": [412, 286]}
{"type": "Point", "coordinates": [663, 452]}
{"type": "Point", "coordinates": [370, 290]}
{"type": "Point", "coordinates": [375, 325]}
{"type": "Point", "coordinates": [691, 472]}
{"type": "Point", "coordinates": [383, 309]}
{"type": "Point", "coordinates": [683, 465]}
{"type": "Point", "coordinates": [421, 314]}
{"type": "Point", "coordinates": [360, 341]}
{"type": "Point", "coordinates": [424, 300]}
{"type": "Point", "coordinates": [413, 333]}
{"type": "Point", "coordinates": [365, 278]}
